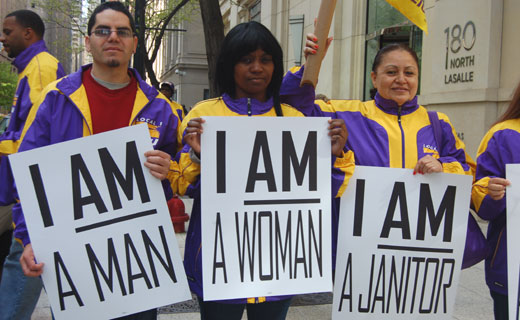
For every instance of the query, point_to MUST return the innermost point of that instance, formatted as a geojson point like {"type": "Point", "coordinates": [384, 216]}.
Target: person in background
{"type": "Point", "coordinates": [105, 95]}
{"type": "Point", "coordinates": [499, 147]}
{"type": "Point", "coordinates": [22, 39]}
{"type": "Point", "coordinates": [249, 74]}
{"type": "Point", "coordinates": [167, 89]}
{"type": "Point", "coordinates": [392, 130]}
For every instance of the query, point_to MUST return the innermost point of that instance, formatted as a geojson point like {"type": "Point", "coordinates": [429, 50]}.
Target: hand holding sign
{"type": "Point", "coordinates": [427, 164]}
{"type": "Point", "coordinates": [158, 162]}
{"type": "Point", "coordinates": [497, 188]}
{"type": "Point", "coordinates": [193, 132]}
{"type": "Point", "coordinates": [338, 135]}
{"type": "Point", "coordinates": [29, 266]}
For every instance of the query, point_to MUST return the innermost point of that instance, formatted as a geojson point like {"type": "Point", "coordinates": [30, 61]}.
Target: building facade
{"type": "Point", "coordinates": [183, 61]}
{"type": "Point", "coordinates": [58, 37]}
{"type": "Point", "coordinates": [467, 59]}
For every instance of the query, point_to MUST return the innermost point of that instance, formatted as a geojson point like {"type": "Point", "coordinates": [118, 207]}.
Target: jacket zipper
{"type": "Point", "coordinates": [402, 136]}
{"type": "Point", "coordinates": [249, 111]}
{"type": "Point", "coordinates": [496, 248]}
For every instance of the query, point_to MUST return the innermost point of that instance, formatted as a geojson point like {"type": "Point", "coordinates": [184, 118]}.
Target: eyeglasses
{"type": "Point", "coordinates": [106, 32]}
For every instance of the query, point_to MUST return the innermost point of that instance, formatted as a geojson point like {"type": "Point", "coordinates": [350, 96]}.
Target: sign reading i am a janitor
{"type": "Point", "coordinates": [266, 199]}
{"type": "Point", "coordinates": [98, 221]}
{"type": "Point", "coordinates": [400, 246]}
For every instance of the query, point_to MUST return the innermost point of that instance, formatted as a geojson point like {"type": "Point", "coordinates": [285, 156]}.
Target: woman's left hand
{"type": "Point", "coordinates": [338, 136]}
{"type": "Point", "coordinates": [427, 164]}
{"type": "Point", "coordinates": [158, 162]}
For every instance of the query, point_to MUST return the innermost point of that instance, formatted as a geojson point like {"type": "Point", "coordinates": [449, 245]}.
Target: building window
{"type": "Point", "coordinates": [296, 35]}
{"type": "Point", "coordinates": [254, 11]}
{"type": "Point", "coordinates": [386, 25]}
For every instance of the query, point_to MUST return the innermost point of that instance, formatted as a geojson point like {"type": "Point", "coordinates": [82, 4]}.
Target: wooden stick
{"type": "Point", "coordinates": [313, 64]}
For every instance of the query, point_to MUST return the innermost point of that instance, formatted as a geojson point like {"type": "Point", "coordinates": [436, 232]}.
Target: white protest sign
{"type": "Point", "coordinates": [98, 220]}
{"type": "Point", "coordinates": [266, 199]}
{"type": "Point", "coordinates": [513, 238]}
{"type": "Point", "coordinates": [400, 246]}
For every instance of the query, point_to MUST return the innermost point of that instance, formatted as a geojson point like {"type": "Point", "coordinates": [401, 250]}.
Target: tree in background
{"type": "Point", "coordinates": [8, 79]}
{"type": "Point", "coordinates": [152, 23]}
{"type": "Point", "coordinates": [214, 35]}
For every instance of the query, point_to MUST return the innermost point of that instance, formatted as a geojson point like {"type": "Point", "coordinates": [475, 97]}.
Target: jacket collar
{"type": "Point", "coordinates": [74, 81]}
{"type": "Point", "coordinates": [240, 106]}
{"type": "Point", "coordinates": [22, 60]}
{"type": "Point", "coordinates": [391, 107]}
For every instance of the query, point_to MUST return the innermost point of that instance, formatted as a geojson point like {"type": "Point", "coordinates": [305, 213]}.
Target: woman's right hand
{"type": "Point", "coordinates": [192, 135]}
{"type": "Point", "coordinates": [312, 45]}
{"type": "Point", "coordinates": [497, 188]}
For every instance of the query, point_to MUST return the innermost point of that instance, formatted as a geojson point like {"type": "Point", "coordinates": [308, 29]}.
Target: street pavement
{"type": "Point", "coordinates": [472, 303]}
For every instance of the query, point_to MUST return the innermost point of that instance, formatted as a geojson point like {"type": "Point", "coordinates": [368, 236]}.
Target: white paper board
{"type": "Point", "coordinates": [106, 237]}
{"type": "Point", "coordinates": [399, 256]}
{"type": "Point", "coordinates": [265, 228]}
{"type": "Point", "coordinates": [513, 238]}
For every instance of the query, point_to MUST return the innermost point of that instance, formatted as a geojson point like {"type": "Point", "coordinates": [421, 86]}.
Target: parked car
{"type": "Point", "coordinates": [4, 122]}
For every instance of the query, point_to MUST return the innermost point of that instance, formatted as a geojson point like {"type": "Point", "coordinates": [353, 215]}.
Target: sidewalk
{"type": "Point", "coordinates": [473, 299]}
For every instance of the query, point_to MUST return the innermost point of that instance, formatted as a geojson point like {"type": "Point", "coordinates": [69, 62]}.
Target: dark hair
{"type": "Point", "coordinates": [168, 85]}
{"type": "Point", "coordinates": [29, 19]}
{"type": "Point", "coordinates": [112, 5]}
{"type": "Point", "coordinates": [243, 39]}
{"type": "Point", "coordinates": [384, 51]}
{"type": "Point", "coordinates": [513, 111]}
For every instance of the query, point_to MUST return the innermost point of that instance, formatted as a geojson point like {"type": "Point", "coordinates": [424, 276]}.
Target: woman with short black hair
{"type": "Point", "coordinates": [249, 75]}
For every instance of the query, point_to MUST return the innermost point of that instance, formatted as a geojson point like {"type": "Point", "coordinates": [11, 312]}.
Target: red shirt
{"type": "Point", "coordinates": [109, 109]}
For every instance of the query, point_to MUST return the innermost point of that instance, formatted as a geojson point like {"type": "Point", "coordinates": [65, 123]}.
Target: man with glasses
{"type": "Point", "coordinates": [103, 96]}
{"type": "Point", "coordinates": [22, 39]}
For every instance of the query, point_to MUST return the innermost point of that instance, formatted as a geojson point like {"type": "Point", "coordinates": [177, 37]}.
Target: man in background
{"type": "Point", "coordinates": [22, 39]}
{"type": "Point", "coordinates": [167, 88]}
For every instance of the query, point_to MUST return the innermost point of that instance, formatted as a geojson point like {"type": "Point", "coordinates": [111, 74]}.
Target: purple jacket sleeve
{"type": "Point", "coordinates": [301, 98]}
{"type": "Point", "coordinates": [491, 162]}
{"type": "Point", "coordinates": [454, 158]}
{"type": "Point", "coordinates": [36, 136]}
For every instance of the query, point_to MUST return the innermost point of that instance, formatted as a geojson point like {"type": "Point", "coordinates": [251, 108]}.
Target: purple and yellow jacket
{"type": "Point", "coordinates": [188, 181]}
{"type": "Point", "coordinates": [36, 69]}
{"type": "Point", "coordinates": [499, 147]}
{"type": "Point", "coordinates": [63, 114]}
{"type": "Point", "coordinates": [380, 133]}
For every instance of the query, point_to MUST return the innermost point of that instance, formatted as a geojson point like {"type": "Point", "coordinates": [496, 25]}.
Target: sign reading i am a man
{"type": "Point", "coordinates": [98, 221]}
{"type": "Point", "coordinates": [266, 199]}
{"type": "Point", "coordinates": [400, 246]}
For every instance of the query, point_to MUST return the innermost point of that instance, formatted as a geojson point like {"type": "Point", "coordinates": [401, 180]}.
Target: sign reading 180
{"type": "Point", "coordinates": [458, 38]}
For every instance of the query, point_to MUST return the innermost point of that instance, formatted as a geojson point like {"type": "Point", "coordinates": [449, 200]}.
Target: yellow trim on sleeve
{"type": "Point", "coordinates": [188, 173]}
{"type": "Point", "coordinates": [173, 175]}
{"type": "Point", "coordinates": [347, 165]}
{"type": "Point", "coordinates": [479, 192]}
{"type": "Point", "coordinates": [9, 147]}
